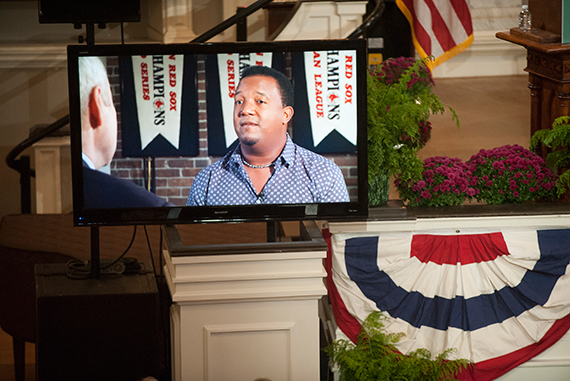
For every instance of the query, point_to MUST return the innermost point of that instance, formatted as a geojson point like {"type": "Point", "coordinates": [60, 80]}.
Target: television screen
{"type": "Point", "coordinates": [218, 132]}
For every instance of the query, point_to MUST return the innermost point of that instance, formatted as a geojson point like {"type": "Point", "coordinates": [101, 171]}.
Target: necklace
{"type": "Point", "coordinates": [257, 166]}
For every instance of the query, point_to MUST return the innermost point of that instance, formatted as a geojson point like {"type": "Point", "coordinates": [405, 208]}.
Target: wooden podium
{"type": "Point", "coordinates": [245, 311]}
{"type": "Point", "coordinates": [548, 63]}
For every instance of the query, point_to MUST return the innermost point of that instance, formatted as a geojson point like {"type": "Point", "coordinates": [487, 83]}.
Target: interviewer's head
{"type": "Point", "coordinates": [98, 114]}
{"type": "Point", "coordinates": [263, 107]}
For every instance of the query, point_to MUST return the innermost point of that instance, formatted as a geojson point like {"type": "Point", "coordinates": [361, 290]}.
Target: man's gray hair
{"type": "Point", "coordinates": [92, 72]}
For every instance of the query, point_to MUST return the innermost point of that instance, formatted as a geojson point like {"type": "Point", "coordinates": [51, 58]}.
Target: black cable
{"type": "Point", "coordinates": [82, 269]}
{"type": "Point", "coordinates": [78, 270]}
{"type": "Point", "coordinates": [124, 252]}
{"type": "Point", "coordinates": [150, 251]}
{"type": "Point", "coordinates": [160, 253]}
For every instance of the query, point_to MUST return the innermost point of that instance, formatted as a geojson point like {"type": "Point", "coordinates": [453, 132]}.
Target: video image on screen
{"type": "Point", "coordinates": [244, 127]}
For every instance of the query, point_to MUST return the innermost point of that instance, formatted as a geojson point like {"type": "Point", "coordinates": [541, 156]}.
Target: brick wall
{"type": "Point", "coordinates": [174, 175]}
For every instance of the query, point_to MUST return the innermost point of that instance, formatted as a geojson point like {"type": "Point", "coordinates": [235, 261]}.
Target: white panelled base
{"type": "Point", "coordinates": [324, 20]}
{"type": "Point", "coordinates": [246, 316]}
{"type": "Point", "coordinates": [552, 364]}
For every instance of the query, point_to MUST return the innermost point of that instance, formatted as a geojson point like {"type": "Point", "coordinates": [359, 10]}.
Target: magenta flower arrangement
{"type": "Point", "coordinates": [511, 174]}
{"type": "Point", "coordinates": [423, 138]}
{"type": "Point", "coordinates": [392, 70]}
{"type": "Point", "coordinates": [445, 182]}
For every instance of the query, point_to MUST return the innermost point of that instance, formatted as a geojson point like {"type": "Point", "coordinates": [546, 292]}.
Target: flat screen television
{"type": "Point", "coordinates": [139, 142]}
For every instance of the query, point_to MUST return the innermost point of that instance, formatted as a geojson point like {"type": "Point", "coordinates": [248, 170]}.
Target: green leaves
{"type": "Point", "coordinates": [375, 358]}
{"type": "Point", "coordinates": [557, 139]}
{"type": "Point", "coordinates": [396, 106]}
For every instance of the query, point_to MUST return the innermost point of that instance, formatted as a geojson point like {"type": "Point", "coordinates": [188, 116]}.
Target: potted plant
{"type": "Point", "coordinates": [400, 102]}
{"type": "Point", "coordinates": [511, 174]}
{"type": "Point", "coordinates": [445, 182]}
{"type": "Point", "coordinates": [374, 357]}
{"type": "Point", "coordinates": [558, 159]}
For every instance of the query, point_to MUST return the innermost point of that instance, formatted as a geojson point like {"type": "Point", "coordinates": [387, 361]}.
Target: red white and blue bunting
{"type": "Point", "coordinates": [499, 296]}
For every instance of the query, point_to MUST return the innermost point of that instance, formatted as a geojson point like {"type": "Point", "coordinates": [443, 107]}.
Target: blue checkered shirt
{"type": "Point", "coordinates": [299, 177]}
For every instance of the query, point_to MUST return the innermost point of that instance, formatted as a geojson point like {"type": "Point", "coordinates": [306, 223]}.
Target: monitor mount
{"type": "Point", "coordinates": [90, 13]}
{"type": "Point", "coordinates": [89, 37]}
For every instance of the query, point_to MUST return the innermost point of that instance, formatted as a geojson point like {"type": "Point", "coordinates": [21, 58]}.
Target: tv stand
{"type": "Point", "coordinates": [272, 228]}
{"type": "Point", "coordinates": [100, 329]}
{"type": "Point", "coordinates": [247, 309]}
{"type": "Point", "coordinates": [95, 255]}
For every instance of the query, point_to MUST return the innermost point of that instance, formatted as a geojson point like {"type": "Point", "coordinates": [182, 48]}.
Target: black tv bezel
{"type": "Point", "coordinates": [350, 211]}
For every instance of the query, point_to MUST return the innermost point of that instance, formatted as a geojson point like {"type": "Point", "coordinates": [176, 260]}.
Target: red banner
{"type": "Point", "coordinates": [158, 88]}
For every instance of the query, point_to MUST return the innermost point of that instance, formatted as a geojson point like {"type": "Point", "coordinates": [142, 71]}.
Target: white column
{"type": "Point", "coordinates": [53, 175]}
{"type": "Point", "coordinates": [324, 20]}
{"type": "Point", "coordinates": [170, 21]}
{"type": "Point", "coordinates": [246, 316]}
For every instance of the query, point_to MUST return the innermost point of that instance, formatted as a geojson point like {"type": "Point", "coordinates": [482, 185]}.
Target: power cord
{"type": "Point", "coordinates": [82, 269]}
{"type": "Point", "coordinates": [150, 251]}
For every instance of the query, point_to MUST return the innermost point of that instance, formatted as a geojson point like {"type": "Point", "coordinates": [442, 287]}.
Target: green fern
{"type": "Point", "coordinates": [394, 110]}
{"type": "Point", "coordinates": [557, 139]}
{"type": "Point", "coordinates": [375, 358]}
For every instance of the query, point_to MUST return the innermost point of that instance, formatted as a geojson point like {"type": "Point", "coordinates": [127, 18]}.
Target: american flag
{"type": "Point", "coordinates": [440, 28]}
{"type": "Point", "coordinates": [498, 296]}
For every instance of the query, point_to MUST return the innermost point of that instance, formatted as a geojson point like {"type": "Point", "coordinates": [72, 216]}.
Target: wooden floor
{"type": "Point", "coordinates": [493, 111]}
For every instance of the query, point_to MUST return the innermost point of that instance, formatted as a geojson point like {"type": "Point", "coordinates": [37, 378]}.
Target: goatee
{"type": "Point", "coordinates": [249, 141]}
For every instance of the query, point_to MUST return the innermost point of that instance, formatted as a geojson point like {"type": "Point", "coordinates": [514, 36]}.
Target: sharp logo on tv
{"type": "Point", "coordinates": [158, 89]}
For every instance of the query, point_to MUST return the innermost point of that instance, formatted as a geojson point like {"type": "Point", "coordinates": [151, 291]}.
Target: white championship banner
{"type": "Point", "coordinates": [331, 91]}
{"type": "Point", "coordinates": [230, 67]}
{"type": "Point", "coordinates": [158, 89]}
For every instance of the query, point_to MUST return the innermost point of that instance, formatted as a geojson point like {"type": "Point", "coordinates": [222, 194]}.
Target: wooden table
{"type": "Point", "coordinates": [548, 65]}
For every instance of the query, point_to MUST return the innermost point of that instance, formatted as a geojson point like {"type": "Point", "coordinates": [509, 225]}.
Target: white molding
{"type": "Point", "coordinates": [487, 56]}
{"type": "Point", "coordinates": [545, 363]}
{"type": "Point", "coordinates": [188, 292]}
{"type": "Point", "coordinates": [324, 20]}
{"type": "Point", "coordinates": [367, 227]}
{"type": "Point", "coordinates": [175, 22]}
{"type": "Point", "coordinates": [486, 41]}
{"type": "Point", "coordinates": [269, 257]}
{"type": "Point", "coordinates": [233, 278]}
{"type": "Point", "coordinates": [39, 56]}
{"type": "Point", "coordinates": [256, 328]}
{"type": "Point", "coordinates": [176, 344]}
